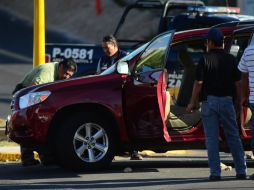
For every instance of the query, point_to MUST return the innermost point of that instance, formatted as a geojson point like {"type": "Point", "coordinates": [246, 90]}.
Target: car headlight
{"type": "Point", "coordinates": [33, 98]}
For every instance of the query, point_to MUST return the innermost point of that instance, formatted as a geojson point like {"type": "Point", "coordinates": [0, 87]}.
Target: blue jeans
{"type": "Point", "coordinates": [214, 111]}
{"type": "Point", "coordinates": [252, 126]}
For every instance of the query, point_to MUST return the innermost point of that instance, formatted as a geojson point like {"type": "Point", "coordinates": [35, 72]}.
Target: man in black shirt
{"type": "Point", "coordinates": [217, 77]}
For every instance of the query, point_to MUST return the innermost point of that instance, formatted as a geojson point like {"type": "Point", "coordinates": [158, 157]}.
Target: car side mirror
{"type": "Point", "coordinates": [122, 68]}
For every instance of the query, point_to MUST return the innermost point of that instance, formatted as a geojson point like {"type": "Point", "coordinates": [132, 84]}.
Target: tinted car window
{"type": "Point", "coordinates": [239, 43]}
{"type": "Point", "coordinates": [154, 55]}
{"type": "Point", "coordinates": [127, 58]}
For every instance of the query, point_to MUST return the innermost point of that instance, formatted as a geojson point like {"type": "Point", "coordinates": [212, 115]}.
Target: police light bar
{"type": "Point", "coordinates": [214, 9]}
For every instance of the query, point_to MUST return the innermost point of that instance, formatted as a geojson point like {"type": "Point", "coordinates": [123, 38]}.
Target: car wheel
{"type": "Point", "coordinates": [85, 142]}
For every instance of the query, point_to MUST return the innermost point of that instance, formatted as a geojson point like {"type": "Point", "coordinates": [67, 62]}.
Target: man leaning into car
{"type": "Point", "coordinates": [216, 77]}
{"type": "Point", "coordinates": [42, 74]}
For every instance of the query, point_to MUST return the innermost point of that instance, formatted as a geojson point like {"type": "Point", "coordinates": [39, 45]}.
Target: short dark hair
{"type": "Point", "coordinates": [216, 36]}
{"type": "Point", "coordinates": [69, 64]}
{"type": "Point", "coordinates": [110, 38]}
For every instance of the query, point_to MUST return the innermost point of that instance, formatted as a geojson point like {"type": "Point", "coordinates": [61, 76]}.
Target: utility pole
{"type": "Point", "coordinates": [39, 33]}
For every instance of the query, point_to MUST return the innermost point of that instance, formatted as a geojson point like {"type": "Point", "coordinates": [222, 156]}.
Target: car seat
{"type": "Point", "coordinates": [188, 78]}
{"type": "Point", "coordinates": [179, 118]}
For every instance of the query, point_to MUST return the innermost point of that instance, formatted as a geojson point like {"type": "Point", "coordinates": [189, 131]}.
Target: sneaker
{"type": "Point", "coordinates": [251, 176]}
{"type": "Point", "coordinates": [27, 163]}
{"type": "Point", "coordinates": [214, 178]}
{"type": "Point", "coordinates": [241, 176]}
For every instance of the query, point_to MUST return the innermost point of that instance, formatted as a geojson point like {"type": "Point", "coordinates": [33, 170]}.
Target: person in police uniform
{"type": "Point", "coordinates": [112, 53]}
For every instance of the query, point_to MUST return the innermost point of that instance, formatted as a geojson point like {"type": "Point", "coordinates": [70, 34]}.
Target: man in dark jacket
{"type": "Point", "coordinates": [112, 53]}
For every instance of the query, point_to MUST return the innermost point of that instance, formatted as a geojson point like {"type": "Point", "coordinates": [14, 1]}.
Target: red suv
{"type": "Point", "coordinates": [86, 121]}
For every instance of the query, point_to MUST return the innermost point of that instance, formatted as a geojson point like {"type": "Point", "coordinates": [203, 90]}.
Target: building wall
{"type": "Point", "coordinates": [247, 6]}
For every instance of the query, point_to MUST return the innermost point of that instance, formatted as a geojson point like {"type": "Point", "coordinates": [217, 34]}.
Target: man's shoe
{"type": "Point", "coordinates": [251, 176]}
{"type": "Point", "coordinates": [241, 176]}
{"type": "Point", "coordinates": [214, 178]}
{"type": "Point", "coordinates": [135, 156]}
{"type": "Point", "coordinates": [27, 163]}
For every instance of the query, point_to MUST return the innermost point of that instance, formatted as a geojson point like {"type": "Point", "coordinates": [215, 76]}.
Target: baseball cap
{"type": "Point", "coordinates": [216, 36]}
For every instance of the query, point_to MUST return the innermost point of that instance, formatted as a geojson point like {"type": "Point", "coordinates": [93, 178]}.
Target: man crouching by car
{"type": "Point", "coordinates": [42, 74]}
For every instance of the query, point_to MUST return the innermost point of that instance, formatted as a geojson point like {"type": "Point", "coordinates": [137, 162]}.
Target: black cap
{"type": "Point", "coordinates": [216, 36]}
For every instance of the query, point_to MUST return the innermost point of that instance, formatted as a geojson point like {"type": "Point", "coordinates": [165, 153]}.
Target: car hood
{"type": "Point", "coordinates": [91, 80]}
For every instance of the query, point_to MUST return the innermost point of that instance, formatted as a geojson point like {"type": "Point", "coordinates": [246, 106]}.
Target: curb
{"type": "Point", "coordinates": [7, 157]}
{"type": "Point", "coordinates": [152, 154]}
{"type": "Point", "coordinates": [12, 156]}
{"type": "Point", "coordinates": [8, 154]}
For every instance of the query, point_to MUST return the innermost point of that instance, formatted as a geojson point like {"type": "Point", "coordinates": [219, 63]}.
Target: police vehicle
{"type": "Point", "coordinates": [155, 17]}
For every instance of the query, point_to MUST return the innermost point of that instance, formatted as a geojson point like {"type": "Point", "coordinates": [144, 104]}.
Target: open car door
{"type": "Point", "coordinates": [145, 93]}
{"type": "Point", "coordinates": [241, 39]}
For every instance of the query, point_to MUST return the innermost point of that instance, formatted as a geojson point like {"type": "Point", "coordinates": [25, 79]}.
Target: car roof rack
{"type": "Point", "coordinates": [174, 2]}
{"type": "Point", "coordinates": [153, 2]}
{"type": "Point", "coordinates": [235, 23]}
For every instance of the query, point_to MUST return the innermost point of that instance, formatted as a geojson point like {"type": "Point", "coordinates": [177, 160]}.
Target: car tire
{"type": "Point", "coordinates": [85, 142]}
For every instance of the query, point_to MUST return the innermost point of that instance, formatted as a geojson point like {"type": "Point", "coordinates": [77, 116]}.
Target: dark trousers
{"type": "Point", "coordinates": [28, 155]}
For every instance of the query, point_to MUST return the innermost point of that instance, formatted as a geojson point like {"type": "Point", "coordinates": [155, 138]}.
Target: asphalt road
{"type": "Point", "coordinates": [175, 173]}
{"type": "Point", "coordinates": [10, 75]}
{"type": "Point", "coordinates": [16, 42]}
{"type": "Point", "coordinates": [16, 52]}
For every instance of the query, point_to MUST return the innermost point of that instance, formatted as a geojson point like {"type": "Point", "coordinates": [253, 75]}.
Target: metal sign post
{"type": "Point", "coordinates": [39, 33]}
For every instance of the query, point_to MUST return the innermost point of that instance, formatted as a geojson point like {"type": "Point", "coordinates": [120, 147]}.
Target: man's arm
{"type": "Point", "coordinates": [195, 93]}
{"type": "Point", "coordinates": [41, 77]}
{"type": "Point", "coordinates": [243, 67]}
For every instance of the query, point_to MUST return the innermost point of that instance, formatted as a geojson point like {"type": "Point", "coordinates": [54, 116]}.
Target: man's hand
{"type": "Point", "coordinates": [195, 92]}
{"type": "Point", "coordinates": [245, 101]}
{"type": "Point", "coordinates": [190, 107]}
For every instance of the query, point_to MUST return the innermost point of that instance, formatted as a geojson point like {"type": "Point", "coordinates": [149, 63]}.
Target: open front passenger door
{"type": "Point", "coordinates": [145, 93]}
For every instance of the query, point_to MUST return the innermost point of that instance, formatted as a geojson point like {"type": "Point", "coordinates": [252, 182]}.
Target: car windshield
{"type": "Point", "coordinates": [127, 58]}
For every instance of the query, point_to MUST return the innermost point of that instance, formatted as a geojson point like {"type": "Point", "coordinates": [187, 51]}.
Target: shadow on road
{"type": "Point", "coordinates": [58, 178]}
{"type": "Point", "coordinates": [16, 171]}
